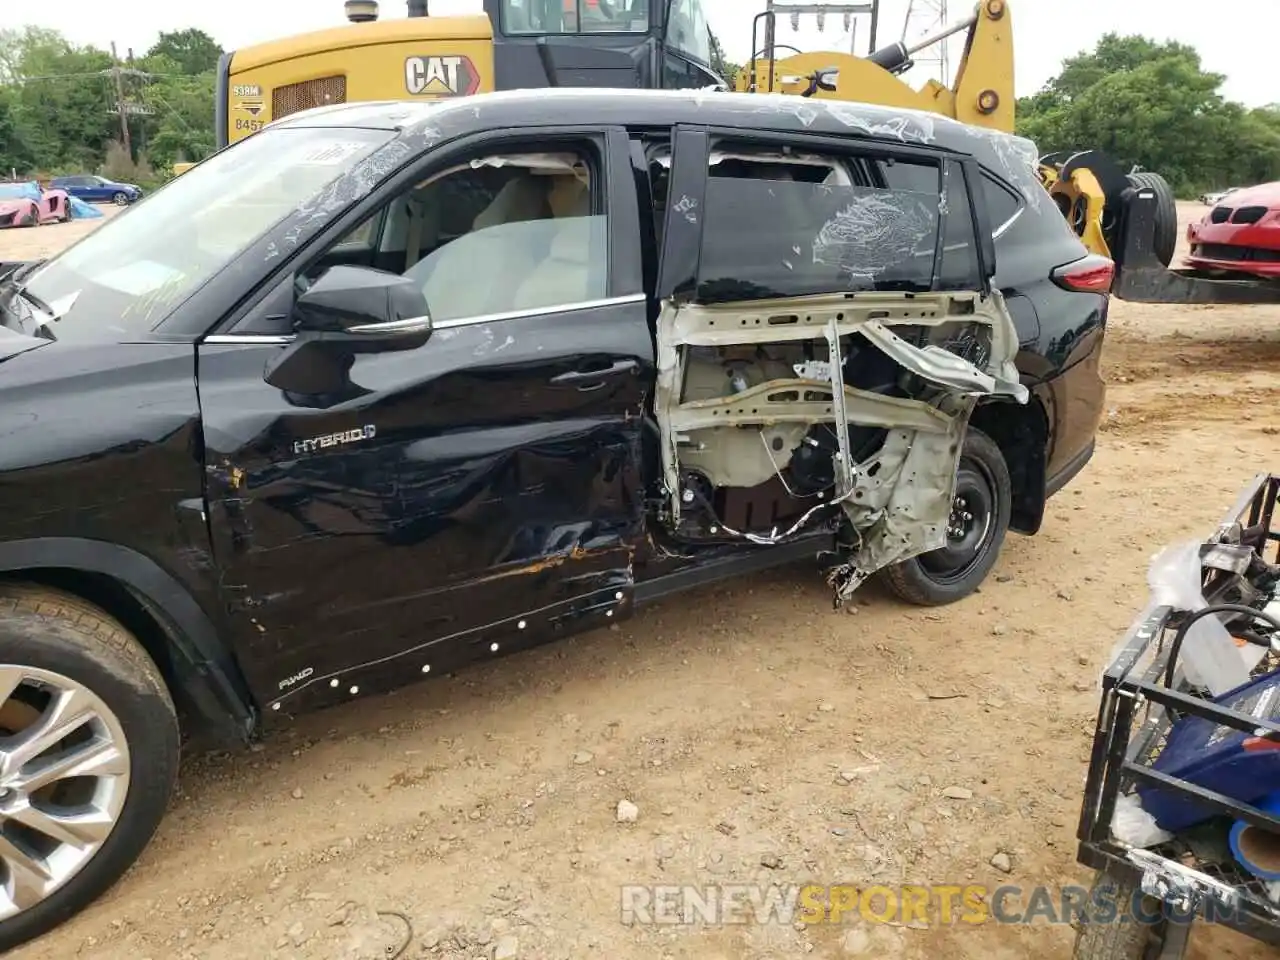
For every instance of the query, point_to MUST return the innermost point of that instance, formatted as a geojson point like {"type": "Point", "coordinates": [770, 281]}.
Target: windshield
{"type": "Point", "coordinates": [575, 16]}
{"type": "Point", "coordinates": [130, 273]}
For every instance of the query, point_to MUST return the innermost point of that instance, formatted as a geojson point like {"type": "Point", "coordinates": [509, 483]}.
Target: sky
{"type": "Point", "coordinates": [1236, 38]}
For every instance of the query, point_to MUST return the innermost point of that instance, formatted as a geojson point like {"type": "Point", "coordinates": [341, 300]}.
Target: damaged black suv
{"type": "Point", "coordinates": [387, 388]}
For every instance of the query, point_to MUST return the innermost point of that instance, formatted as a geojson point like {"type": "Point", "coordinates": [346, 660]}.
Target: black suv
{"type": "Point", "coordinates": [387, 388]}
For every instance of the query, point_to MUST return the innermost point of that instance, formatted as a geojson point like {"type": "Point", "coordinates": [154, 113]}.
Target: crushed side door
{"type": "Point", "coordinates": [844, 400]}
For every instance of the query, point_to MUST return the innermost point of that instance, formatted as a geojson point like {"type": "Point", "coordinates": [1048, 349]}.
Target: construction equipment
{"type": "Point", "coordinates": [516, 44]}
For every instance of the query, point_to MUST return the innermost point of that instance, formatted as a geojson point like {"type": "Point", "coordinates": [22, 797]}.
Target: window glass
{"type": "Point", "coordinates": [681, 74]}
{"type": "Point", "coordinates": [959, 269]}
{"type": "Point", "coordinates": [502, 234]}
{"type": "Point", "coordinates": [1002, 203]}
{"type": "Point", "coordinates": [796, 225]}
{"type": "Point", "coordinates": [688, 31]}
{"type": "Point", "coordinates": [127, 275]}
{"type": "Point", "coordinates": [575, 16]}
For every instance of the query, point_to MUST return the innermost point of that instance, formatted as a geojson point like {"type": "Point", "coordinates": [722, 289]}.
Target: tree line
{"type": "Point", "coordinates": [60, 105]}
{"type": "Point", "coordinates": [1154, 105]}
{"type": "Point", "coordinates": [1141, 102]}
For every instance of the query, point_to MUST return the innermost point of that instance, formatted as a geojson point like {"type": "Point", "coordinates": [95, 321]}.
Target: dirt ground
{"type": "Point", "coordinates": [762, 737]}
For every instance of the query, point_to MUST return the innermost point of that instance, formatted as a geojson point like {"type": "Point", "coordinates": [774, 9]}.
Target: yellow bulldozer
{"type": "Point", "coordinates": [666, 44]}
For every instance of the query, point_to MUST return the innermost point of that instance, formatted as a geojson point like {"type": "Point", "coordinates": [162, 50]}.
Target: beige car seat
{"type": "Point", "coordinates": [478, 273]}
{"type": "Point", "coordinates": [521, 198]}
{"type": "Point", "coordinates": [565, 274]}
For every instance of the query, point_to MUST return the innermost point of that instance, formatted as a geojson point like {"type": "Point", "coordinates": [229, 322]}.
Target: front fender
{"type": "Point", "coordinates": [203, 663]}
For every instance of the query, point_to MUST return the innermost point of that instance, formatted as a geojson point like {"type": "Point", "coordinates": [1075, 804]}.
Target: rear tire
{"type": "Point", "coordinates": [984, 501]}
{"type": "Point", "coordinates": [1166, 239]}
{"type": "Point", "coordinates": [1111, 938]}
{"type": "Point", "coordinates": [64, 661]}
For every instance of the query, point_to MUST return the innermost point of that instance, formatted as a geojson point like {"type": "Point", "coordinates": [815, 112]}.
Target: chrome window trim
{"type": "Point", "coordinates": [264, 339]}
{"type": "Point", "coordinates": [999, 231]}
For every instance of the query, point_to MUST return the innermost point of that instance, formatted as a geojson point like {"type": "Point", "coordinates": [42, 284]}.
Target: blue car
{"type": "Point", "coordinates": [97, 189]}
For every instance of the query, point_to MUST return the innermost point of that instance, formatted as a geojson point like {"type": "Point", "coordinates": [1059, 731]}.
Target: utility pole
{"type": "Point", "coordinates": [120, 102]}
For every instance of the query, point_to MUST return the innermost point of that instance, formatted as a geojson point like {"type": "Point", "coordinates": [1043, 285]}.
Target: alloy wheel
{"type": "Point", "coordinates": [64, 778]}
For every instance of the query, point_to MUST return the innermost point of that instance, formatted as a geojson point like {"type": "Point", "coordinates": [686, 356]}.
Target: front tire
{"type": "Point", "coordinates": [88, 757]}
{"type": "Point", "coordinates": [976, 530]}
{"type": "Point", "coordinates": [120, 199]}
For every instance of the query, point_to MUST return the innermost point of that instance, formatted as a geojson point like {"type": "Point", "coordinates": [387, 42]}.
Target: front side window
{"type": "Point", "coordinates": [129, 274]}
{"type": "Point", "coordinates": [794, 225]}
{"type": "Point", "coordinates": [504, 233]}
{"type": "Point", "coordinates": [574, 16]}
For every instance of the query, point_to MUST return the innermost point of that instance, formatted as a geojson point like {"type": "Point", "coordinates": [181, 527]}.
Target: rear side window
{"type": "Point", "coordinates": [794, 224]}
{"type": "Point", "coordinates": [1003, 203]}
{"type": "Point", "coordinates": [959, 265]}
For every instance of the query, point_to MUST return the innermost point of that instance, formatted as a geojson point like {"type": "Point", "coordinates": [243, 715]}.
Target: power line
{"type": "Point", "coordinates": [110, 71]}
{"type": "Point", "coordinates": [927, 17]}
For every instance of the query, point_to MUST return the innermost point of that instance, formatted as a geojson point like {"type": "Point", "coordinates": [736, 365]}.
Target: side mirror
{"type": "Point", "coordinates": [369, 310]}
{"type": "Point", "coordinates": [348, 311]}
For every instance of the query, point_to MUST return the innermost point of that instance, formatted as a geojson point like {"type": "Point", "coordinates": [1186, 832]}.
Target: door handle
{"type": "Point", "coordinates": [594, 379]}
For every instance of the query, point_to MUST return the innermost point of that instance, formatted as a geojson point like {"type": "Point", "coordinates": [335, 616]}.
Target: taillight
{"type": "Point", "coordinates": [1091, 274]}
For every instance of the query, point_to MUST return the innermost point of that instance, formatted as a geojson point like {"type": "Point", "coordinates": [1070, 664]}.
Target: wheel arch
{"type": "Point", "coordinates": [198, 666]}
{"type": "Point", "coordinates": [1021, 431]}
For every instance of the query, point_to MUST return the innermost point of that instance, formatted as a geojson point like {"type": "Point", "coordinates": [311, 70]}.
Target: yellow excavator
{"type": "Point", "coordinates": [666, 44]}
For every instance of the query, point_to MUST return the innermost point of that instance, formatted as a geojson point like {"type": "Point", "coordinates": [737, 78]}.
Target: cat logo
{"type": "Point", "coordinates": [251, 107]}
{"type": "Point", "coordinates": [454, 76]}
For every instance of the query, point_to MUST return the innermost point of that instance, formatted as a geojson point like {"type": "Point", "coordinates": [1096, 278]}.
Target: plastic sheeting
{"type": "Point", "coordinates": [80, 210]}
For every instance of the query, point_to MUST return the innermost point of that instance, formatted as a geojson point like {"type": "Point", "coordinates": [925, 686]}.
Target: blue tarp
{"type": "Point", "coordinates": [80, 210]}
{"type": "Point", "coordinates": [30, 190]}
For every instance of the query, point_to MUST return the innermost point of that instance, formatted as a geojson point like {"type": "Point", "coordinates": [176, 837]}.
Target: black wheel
{"type": "Point", "coordinates": [975, 531]}
{"type": "Point", "coordinates": [88, 757]}
{"type": "Point", "coordinates": [1110, 931]}
{"type": "Point", "coordinates": [1166, 239]}
{"type": "Point", "coordinates": [120, 199]}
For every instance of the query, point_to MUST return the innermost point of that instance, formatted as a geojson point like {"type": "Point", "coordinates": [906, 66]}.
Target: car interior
{"type": "Point", "coordinates": [497, 235]}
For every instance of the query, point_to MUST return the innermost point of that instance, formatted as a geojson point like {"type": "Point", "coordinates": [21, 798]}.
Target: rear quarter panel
{"type": "Point", "coordinates": [1060, 332]}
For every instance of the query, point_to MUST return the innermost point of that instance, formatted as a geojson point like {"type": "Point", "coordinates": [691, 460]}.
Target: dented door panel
{"type": "Point", "coordinates": [492, 498]}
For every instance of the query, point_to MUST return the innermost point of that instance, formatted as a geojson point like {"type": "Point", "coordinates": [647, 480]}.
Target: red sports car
{"type": "Point", "coordinates": [1241, 234]}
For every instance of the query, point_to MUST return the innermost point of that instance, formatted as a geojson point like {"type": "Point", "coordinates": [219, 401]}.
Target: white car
{"type": "Point", "coordinates": [1217, 196]}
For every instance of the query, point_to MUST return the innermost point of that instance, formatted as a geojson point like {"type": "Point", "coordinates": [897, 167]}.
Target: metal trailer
{"type": "Point", "coordinates": [1192, 877]}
